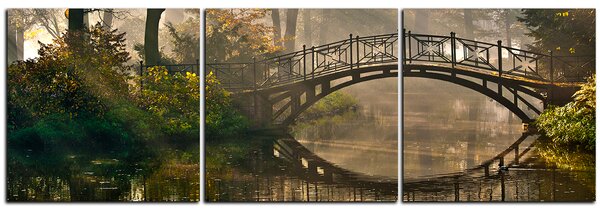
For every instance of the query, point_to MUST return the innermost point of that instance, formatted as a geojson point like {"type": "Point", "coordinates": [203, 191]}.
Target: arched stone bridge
{"type": "Point", "coordinates": [523, 81]}
{"type": "Point", "coordinates": [274, 91]}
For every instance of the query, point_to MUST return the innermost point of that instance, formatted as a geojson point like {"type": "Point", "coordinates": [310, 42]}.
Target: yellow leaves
{"type": "Point", "coordinates": [572, 50]}
{"type": "Point", "coordinates": [562, 14]}
{"type": "Point", "coordinates": [174, 97]}
{"type": "Point", "coordinates": [32, 33]}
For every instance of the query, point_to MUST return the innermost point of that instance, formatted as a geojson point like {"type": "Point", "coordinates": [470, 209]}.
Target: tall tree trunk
{"type": "Point", "coordinates": [86, 20]}
{"type": "Point", "coordinates": [107, 19]}
{"type": "Point", "coordinates": [307, 27]}
{"type": "Point", "coordinates": [20, 43]}
{"type": "Point", "coordinates": [11, 40]}
{"type": "Point", "coordinates": [76, 20]}
{"type": "Point", "coordinates": [151, 53]}
{"type": "Point", "coordinates": [507, 24]}
{"type": "Point", "coordinates": [469, 28]}
{"type": "Point", "coordinates": [76, 29]}
{"type": "Point", "coordinates": [324, 26]}
{"type": "Point", "coordinates": [422, 21]}
{"type": "Point", "coordinates": [276, 27]}
{"type": "Point", "coordinates": [291, 18]}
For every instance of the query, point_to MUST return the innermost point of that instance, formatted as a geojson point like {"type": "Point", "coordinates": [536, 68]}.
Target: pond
{"type": "Point", "coordinates": [81, 178]}
{"type": "Point", "coordinates": [451, 134]}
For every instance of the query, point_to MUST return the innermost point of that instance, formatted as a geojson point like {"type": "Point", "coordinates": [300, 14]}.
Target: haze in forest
{"type": "Point", "coordinates": [31, 26]}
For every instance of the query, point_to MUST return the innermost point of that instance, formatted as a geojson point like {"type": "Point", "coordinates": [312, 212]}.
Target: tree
{"type": "Point", "coordinates": [290, 29]}
{"type": "Point", "coordinates": [185, 40]}
{"type": "Point", "coordinates": [238, 35]}
{"type": "Point", "coordinates": [562, 31]}
{"type": "Point", "coordinates": [50, 19]}
{"type": "Point", "coordinates": [324, 25]}
{"type": "Point", "coordinates": [469, 28]}
{"type": "Point", "coordinates": [76, 22]}
{"type": "Point", "coordinates": [19, 22]}
{"type": "Point", "coordinates": [307, 27]}
{"type": "Point", "coordinates": [61, 81]}
{"type": "Point", "coordinates": [11, 38]}
{"type": "Point", "coordinates": [151, 52]}
{"type": "Point", "coordinates": [422, 21]}
{"type": "Point", "coordinates": [276, 27]}
{"type": "Point", "coordinates": [107, 18]}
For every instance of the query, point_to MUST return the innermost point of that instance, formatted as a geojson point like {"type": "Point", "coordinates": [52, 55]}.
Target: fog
{"type": "Point", "coordinates": [129, 21]}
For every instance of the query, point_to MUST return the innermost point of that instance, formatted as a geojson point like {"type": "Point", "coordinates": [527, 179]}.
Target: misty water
{"type": "Point", "coordinates": [449, 130]}
{"type": "Point", "coordinates": [101, 179]}
{"type": "Point", "coordinates": [349, 158]}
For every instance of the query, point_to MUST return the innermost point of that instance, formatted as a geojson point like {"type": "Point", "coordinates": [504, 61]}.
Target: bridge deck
{"type": "Point", "coordinates": [495, 73]}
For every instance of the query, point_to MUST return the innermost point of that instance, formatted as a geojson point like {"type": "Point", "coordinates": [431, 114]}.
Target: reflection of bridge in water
{"type": "Point", "coordinates": [316, 169]}
{"type": "Point", "coordinates": [284, 170]}
{"type": "Point", "coordinates": [508, 176]}
{"type": "Point", "coordinates": [442, 187]}
{"type": "Point", "coordinates": [517, 79]}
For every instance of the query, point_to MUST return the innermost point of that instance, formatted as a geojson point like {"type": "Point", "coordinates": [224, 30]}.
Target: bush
{"type": "Point", "coordinates": [69, 79]}
{"type": "Point", "coordinates": [573, 126]}
{"type": "Point", "coordinates": [333, 104]}
{"type": "Point", "coordinates": [222, 119]}
{"type": "Point", "coordinates": [174, 98]}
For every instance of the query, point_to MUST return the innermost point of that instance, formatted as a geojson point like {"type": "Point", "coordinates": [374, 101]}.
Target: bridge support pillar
{"type": "Point", "coordinates": [325, 86]}
{"type": "Point", "coordinates": [355, 76]}
{"type": "Point", "coordinates": [312, 168]}
{"type": "Point", "coordinates": [295, 101]}
{"type": "Point", "coordinates": [310, 93]}
{"type": "Point", "coordinates": [486, 169]}
{"type": "Point", "coordinates": [255, 107]}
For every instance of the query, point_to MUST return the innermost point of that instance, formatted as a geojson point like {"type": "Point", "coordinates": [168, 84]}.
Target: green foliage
{"type": "Point", "coordinates": [78, 100]}
{"type": "Point", "coordinates": [563, 31]}
{"type": "Point", "coordinates": [53, 141]}
{"type": "Point", "coordinates": [321, 119]}
{"type": "Point", "coordinates": [221, 118]}
{"type": "Point", "coordinates": [173, 98]}
{"type": "Point", "coordinates": [564, 158]}
{"type": "Point", "coordinates": [335, 103]}
{"type": "Point", "coordinates": [69, 79]}
{"type": "Point", "coordinates": [573, 126]}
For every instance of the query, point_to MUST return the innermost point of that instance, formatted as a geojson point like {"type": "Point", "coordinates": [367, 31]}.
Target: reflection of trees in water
{"type": "Point", "coordinates": [104, 180]}
{"type": "Point", "coordinates": [358, 125]}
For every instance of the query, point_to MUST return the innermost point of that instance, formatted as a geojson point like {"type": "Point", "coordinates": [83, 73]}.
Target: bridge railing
{"type": "Point", "coordinates": [308, 63]}
{"type": "Point", "coordinates": [502, 60]}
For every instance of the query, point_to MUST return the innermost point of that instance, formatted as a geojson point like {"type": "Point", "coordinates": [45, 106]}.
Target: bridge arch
{"type": "Point", "coordinates": [274, 91]}
{"type": "Point", "coordinates": [456, 76]}
{"type": "Point", "coordinates": [297, 98]}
